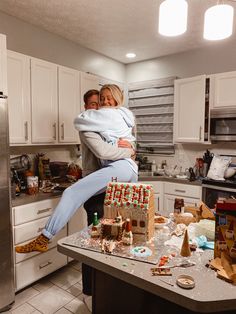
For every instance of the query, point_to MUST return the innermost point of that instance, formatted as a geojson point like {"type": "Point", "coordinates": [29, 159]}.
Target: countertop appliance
{"type": "Point", "coordinates": [7, 291]}
{"type": "Point", "coordinates": [223, 125]}
{"type": "Point", "coordinates": [213, 189]}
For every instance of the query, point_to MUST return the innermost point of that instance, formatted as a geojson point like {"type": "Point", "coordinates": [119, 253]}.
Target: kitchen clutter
{"type": "Point", "coordinates": [31, 175]}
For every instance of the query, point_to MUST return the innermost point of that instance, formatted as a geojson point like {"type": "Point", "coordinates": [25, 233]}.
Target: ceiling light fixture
{"type": "Point", "coordinates": [130, 55]}
{"type": "Point", "coordinates": [218, 22]}
{"type": "Point", "coordinates": [173, 16]}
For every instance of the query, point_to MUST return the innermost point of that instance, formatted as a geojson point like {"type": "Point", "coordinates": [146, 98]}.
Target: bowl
{"type": "Point", "coordinates": [229, 172]}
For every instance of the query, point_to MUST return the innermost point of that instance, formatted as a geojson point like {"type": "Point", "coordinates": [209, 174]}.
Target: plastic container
{"type": "Point", "coordinates": [32, 185]}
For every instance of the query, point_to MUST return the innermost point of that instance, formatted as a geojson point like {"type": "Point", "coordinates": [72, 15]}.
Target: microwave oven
{"type": "Point", "coordinates": [223, 125]}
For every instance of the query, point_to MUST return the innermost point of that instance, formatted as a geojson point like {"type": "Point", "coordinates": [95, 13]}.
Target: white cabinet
{"type": "Point", "coordinates": [88, 81]}
{"type": "Point", "coordinates": [28, 222]}
{"type": "Point", "coordinates": [189, 110]}
{"type": "Point", "coordinates": [191, 194]}
{"type": "Point", "coordinates": [223, 91]}
{"type": "Point", "coordinates": [78, 221]}
{"type": "Point", "coordinates": [68, 104]}
{"type": "Point", "coordinates": [44, 101]}
{"type": "Point", "coordinates": [18, 76]}
{"type": "Point", "coordinates": [158, 193]}
{"type": "Point", "coordinates": [3, 65]}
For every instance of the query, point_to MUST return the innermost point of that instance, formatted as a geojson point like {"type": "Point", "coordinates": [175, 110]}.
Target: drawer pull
{"type": "Point", "coordinates": [40, 211]}
{"type": "Point", "coordinates": [181, 191]}
{"type": "Point", "coordinates": [40, 229]}
{"type": "Point", "coordinates": [45, 265]}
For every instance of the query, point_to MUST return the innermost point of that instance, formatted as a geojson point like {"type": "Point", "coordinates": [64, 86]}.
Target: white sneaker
{"type": "Point", "coordinates": [87, 299]}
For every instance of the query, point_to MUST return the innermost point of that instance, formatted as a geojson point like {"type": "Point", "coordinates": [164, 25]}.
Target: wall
{"type": "Point", "coordinates": [33, 41]}
{"type": "Point", "coordinates": [220, 57]}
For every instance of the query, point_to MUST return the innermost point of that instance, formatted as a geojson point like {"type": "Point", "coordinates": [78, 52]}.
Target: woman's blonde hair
{"type": "Point", "coordinates": [116, 93]}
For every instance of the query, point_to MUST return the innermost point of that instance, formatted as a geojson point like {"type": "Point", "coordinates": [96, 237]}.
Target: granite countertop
{"type": "Point", "coordinates": [209, 295]}
{"type": "Point", "coordinates": [24, 199]}
{"type": "Point", "coordinates": [169, 179]}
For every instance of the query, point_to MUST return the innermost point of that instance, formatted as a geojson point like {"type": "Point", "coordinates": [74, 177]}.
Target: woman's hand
{"type": "Point", "coordinates": [124, 144]}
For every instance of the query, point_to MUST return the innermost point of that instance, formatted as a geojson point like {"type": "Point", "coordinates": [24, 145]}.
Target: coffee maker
{"type": "Point", "coordinates": [19, 165]}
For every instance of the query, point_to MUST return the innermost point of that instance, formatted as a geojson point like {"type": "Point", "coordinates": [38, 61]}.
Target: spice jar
{"type": "Point", "coordinates": [32, 185]}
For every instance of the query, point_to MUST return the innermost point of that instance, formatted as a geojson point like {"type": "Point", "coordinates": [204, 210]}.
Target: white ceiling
{"type": "Point", "coordinates": [114, 27]}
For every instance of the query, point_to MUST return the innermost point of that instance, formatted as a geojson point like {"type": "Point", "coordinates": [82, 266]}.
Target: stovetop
{"type": "Point", "coordinates": [226, 183]}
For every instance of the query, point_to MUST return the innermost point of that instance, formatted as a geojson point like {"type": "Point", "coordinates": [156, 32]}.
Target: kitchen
{"type": "Point", "coordinates": [28, 36]}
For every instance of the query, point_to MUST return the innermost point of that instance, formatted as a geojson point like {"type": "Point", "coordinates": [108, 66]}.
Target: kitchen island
{"type": "Point", "coordinates": [122, 285]}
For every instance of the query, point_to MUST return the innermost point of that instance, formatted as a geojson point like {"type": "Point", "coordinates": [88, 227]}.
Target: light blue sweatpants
{"type": "Point", "coordinates": [75, 196]}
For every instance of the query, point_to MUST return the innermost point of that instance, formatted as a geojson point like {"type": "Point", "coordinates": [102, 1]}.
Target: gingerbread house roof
{"type": "Point", "coordinates": [130, 195]}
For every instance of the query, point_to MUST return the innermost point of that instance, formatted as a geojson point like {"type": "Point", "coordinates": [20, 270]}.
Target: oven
{"type": "Point", "coordinates": [212, 190]}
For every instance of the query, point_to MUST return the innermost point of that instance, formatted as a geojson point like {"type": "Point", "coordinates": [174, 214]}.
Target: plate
{"type": "Point", "coordinates": [159, 225]}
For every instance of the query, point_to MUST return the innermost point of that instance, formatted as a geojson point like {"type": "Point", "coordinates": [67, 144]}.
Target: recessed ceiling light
{"type": "Point", "coordinates": [130, 55]}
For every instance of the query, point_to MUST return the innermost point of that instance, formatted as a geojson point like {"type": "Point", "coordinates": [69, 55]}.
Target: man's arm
{"type": "Point", "coordinates": [103, 150]}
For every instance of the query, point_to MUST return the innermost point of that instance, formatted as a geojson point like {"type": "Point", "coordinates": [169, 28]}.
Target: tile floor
{"type": "Point", "coordinates": [59, 292]}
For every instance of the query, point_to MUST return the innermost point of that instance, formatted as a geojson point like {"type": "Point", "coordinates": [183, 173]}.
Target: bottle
{"type": "Point", "coordinates": [127, 237]}
{"type": "Point", "coordinates": [154, 167]}
{"type": "Point", "coordinates": [95, 219]}
{"type": "Point", "coordinates": [163, 164]}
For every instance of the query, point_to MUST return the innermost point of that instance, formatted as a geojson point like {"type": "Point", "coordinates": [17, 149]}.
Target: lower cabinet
{"type": "Point", "coordinates": [37, 267]}
{"type": "Point", "coordinates": [191, 194]}
{"type": "Point", "coordinates": [28, 222]}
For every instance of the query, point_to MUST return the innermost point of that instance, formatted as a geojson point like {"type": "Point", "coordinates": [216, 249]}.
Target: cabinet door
{"type": "Point", "coordinates": [68, 104]}
{"type": "Point", "coordinates": [18, 76]}
{"type": "Point", "coordinates": [169, 201]}
{"type": "Point", "coordinates": [44, 101]}
{"type": "Point", "coordinates": [88, 81]}
{"type": "Point", "coordinates": [3, 65]}
{"type": "Point", "coordinates": [189, 109]}
{"type": "Point", "coordinates": [78, 221]}
{"type": "Point", "coordinates": [224, 90]}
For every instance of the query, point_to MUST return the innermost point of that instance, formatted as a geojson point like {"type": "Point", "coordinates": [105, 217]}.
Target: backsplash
{"type": "Point", "coordinates": [54, 153]}
{"type": "Point", "coordinates": [186, 154]}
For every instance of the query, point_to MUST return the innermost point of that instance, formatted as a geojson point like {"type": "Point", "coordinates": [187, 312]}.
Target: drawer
{"type": "Point", "coordinates": [32, 211]}
{"type": "Point", "coordinates": [182, 189]}
{"type": "Point", "coordinates": [157, 185]}
{"type": "Point", "coordinates": [37, 267]}
{"type": "Point", "coordinates": [19, 257]}
{"type": "Point", "coordinates": [29, 230]}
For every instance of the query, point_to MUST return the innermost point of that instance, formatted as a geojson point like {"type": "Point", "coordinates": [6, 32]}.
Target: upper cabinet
{"type": "Point", "coordinates": [191, 110]}
{"type": "Point", "coordinates": [88, 81]}
{"type": "Point", "coordinates": [18, 77]}
{"type": "Point", "coordinates": [3, 65]}
{"type": "Point", "coordinates": [68, 104]}
{"type": "Point", "coordinates": [223, 90]}
{"type": "Point", "coordinates": [44, 101]}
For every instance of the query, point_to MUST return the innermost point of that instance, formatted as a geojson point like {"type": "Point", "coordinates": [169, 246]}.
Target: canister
{"type": "Point", "coordinates": [32, 185]}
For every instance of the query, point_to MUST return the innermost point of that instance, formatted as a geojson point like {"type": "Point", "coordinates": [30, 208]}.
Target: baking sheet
{"type": "Point", "coordinates": [83, 240]}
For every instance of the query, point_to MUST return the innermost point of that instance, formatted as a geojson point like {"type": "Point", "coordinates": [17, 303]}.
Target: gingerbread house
{"type": "Point", "coordinates": [134, 201]}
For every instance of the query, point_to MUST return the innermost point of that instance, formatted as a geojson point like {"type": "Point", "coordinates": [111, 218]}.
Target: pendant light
{"type": "Point", "coordinates": [218, 22]}
{"type": "Point", "coordinates": [173, 17]}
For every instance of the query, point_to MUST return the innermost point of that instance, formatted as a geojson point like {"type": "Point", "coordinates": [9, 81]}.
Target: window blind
{"type": "Point", "coordinates": [152, 103]}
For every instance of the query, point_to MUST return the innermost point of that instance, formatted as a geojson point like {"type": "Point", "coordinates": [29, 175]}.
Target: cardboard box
{"type": "Point", "coordinates": [225, 231]}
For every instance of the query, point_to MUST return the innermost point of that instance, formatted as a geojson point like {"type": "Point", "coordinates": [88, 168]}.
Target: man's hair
{"type": "Point", "coordinates": [116, 93]}
{"type": "Point", "coordinates": [89, 94]}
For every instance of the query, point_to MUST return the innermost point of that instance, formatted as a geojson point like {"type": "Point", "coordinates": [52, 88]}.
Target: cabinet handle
{"type": "Point", "coordinates": [55, 131]}
{"type": "Point", "coordinates": [45, 264]}
{"type": "Point", "coordinates": [200, 133]}
{"type": "Point", "coordinates": [40, 229]}
{"type": "Point", "coordinates": [181, 191]}
{"type": "Point", "coordinates": [62, 131]}
{"type": "Point", "coordinates": [158, 203]}
{"type": "Point", "coordinates": [40, 211]}
{"type": "Point", "coordinates": [26, 131]}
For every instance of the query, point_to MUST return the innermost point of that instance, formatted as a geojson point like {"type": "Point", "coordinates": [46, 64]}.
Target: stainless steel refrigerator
{"type": "Point", "coordinates": [7, 291]}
